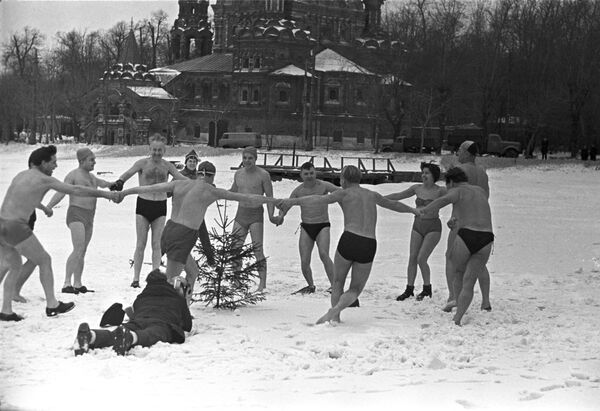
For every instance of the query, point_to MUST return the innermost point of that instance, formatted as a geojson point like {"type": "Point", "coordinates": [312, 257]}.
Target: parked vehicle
{"type": "Point", "coordinates": [404, 144]}
{"type": "Point", "coordinates": [492, 144]}
{"type": "Point", "coordinates": [240, 140]}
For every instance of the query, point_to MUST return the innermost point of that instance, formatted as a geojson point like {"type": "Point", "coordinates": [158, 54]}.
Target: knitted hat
{"type": "Point", "coordinates": [206, 167]}
{"type": "Point", "coordinates": [191, 154]}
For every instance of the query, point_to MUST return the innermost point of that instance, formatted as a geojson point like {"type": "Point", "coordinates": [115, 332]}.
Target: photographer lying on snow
{"type": "Point", "coordinates": [160, 313]}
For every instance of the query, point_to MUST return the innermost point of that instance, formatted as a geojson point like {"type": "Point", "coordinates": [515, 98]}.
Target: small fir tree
{"type": "Point", "coordinates": [227, 284]}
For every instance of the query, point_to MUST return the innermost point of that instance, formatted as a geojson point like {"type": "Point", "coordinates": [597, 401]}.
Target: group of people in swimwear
{"type": "Point", "coordinates": [469, 242]}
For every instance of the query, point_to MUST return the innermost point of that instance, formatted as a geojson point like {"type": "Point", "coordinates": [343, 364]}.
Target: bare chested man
{"type": "Point", "coordinates": [151, 207]}
{"type": "Point", "coordinates": [252, 179]}
{"type": "Point", "coordinates": [80, 218]}
{"type": "Point", "coordinates": [191, 198]}
{"type": "Point", "coordinates": [357, 245]}
{"type": "Point", "coordinates": [474, 237]}
{"type": "Point", "coordinates": [25, 192]}
{"type": "Point", "coordinates": [476, 175]}
{"type": "Point", "coordinates": [315, 225]}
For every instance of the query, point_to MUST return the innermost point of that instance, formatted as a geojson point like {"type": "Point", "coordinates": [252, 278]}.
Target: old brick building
{"type": "Point", "coordinates": [297, 71]}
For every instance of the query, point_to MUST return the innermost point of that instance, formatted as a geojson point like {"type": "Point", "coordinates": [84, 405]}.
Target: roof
{"type": "Point", "coordinates": [212, 63]}
{"type": "Point", "coordinates": [164, 74]}
{"type": "Point", "coordinates": [290, 70]}
{"type": "Point", "coordinates": [130, 52]}
{"type": "Point", "coordinates": [151, 92]}
{"type": "Point", "coordinates": [329, 60]}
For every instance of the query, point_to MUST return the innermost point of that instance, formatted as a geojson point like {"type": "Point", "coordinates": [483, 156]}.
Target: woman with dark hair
{"type": "Point", "coordinates": [426, 229]}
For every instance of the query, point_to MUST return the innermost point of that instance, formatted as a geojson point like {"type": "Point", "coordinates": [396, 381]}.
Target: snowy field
{"type": "Point", "coordinates": [539, 349]}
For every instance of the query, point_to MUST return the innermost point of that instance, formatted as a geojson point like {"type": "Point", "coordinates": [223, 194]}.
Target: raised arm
{"type": "Point", "coordinates": [137, 166]}
{"type": "Point", "coordinates": [409, 192]}
{"type": "Point", "coordinates": [451, 197]}
{"type": "Point", "coordinates": [394, 205]}
{"type": "Point", "coordinates": [175, 173]}
{"type": "Point", "coordinates": [57, 197]}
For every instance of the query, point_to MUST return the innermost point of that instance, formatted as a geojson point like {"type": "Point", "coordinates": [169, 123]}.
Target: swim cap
{"type": "Point", "coordinates": [83, 153]}
{"type": "Point", "coordinates": [250, 150]}
{"type": "Point", "coordinates": [469, 146]}
{"type": "Point", "coordinates": [207, 168]}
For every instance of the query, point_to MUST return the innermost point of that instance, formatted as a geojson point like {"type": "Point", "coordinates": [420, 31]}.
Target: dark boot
{"type": "Point", "coordinates": [82, 342]}
{"type": "Point", "coordinates": [407, 293]}
{"type": "Point", "coordinates": [425, 293]}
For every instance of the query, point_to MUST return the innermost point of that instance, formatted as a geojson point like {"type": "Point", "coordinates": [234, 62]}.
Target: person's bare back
{"type": "Point", "coordinates": [472, 208]}
{"type": "Point", "coordinates": [190, 201]}
{"type": "Point", "coordinates": [477, 176]}
{"type": "Point", "coordinates": [360, 211]}
{"type": "Point", "coordinates": [25, 192]}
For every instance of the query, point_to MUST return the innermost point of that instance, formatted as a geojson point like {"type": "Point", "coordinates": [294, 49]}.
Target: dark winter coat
{"type": "Point", "coordinates": [160, 303]}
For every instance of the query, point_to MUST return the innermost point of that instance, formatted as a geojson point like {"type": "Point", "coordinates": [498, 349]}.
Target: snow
{"type": "Point", "coordinates": [537, 349]}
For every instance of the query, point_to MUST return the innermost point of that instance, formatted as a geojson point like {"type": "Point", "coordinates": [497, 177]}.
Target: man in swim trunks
{"type": "Point", "coordinates": [315, 225]}
{"type": "Point", "coordinates": [80, 218]}
{"type": "Point", "coordinates": [357, 245]}
{"type": "Point", "coordinates": [25, 192]}
{"type": "Point", "coordinates": [476, 175]}
{"type": "Point", "coordinates": [191, 198]}
{"type": "Point", "coordinates": [251, 179]}
{"type": "Point", "coordinates": [151, 208]}
{"type": "Point", "coordinates": [474, 237]}
{"type": "Point", "coordinates": [27, 267]}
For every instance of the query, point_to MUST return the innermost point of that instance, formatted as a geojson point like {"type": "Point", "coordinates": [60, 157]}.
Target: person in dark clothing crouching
{"type": "Point", "coordinates": [160, 314]}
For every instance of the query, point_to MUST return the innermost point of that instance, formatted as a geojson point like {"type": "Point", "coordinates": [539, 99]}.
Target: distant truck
{"type": "Point", "coordinates": [493, 144]}
{"type": "Point", "coordinates": [412, 143]}
{"type": "Point", "coordinates": [240, 140]}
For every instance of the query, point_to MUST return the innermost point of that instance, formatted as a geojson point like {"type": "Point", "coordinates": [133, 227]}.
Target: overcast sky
{"type": "Point", "coordinates": [51, 16]}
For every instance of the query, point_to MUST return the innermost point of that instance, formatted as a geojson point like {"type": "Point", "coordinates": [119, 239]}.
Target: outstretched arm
{"type": "Point", "coordinates": [253, 200]}
{"type": "Point", "coordinates": [153, 188]}
{"type": "Point", "coordinates": [82, 191]}
{"type": "Point", "coordinates": [103, 183]}
{"type": "Point", "coordinates": [57, 197]}
{"type": "Point", "coordinates": [268, 189]}
{"type": "Point", "coordinates": [409, 192]}
{"type": "Point", "coordinates": [450, 198]}
{"type": "Point", "coordinates": [394, 205]}
{"type": "Point", "coordinates": [137, 166]}
{"type": "Point", "coordinates": [334, 197]}
{"type": "Point", "coordinates": [175, 173]}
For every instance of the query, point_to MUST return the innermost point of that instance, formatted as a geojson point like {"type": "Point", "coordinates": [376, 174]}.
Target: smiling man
{"type": "Point", "coordinates": [151, 208]}
{"type": "Point", "coordinates": [315, 225]}
{"type": "Point", "coordinates": [25, 192]}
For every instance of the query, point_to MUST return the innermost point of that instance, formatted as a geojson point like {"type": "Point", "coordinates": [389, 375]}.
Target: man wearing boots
{"type": "Point", "coordinates": [160, 314]}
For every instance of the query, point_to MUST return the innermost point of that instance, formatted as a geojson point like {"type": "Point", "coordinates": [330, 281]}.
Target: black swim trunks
{"type": "Point", "coordinates": [13, 232]}
{"type": "Point", "coordinates": [475, 240]}
{"type": "Point", "coordinates": [313, 229]}
{"type": "Point", "coordinates": [177, 241]}
{"type": "Point", "coordinates": [151, 210]}
{"type": "Point", "coordinates": [357, 248]}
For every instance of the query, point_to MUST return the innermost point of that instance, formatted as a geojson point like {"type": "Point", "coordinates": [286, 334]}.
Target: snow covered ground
{"type": "Point", "coordinates": [537, 349]}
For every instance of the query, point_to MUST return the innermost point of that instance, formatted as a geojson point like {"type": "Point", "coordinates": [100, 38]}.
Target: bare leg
{"type": "Point", "coordinates": [12, 259]}
{"type": "Point", "coordinates": [473, 264]}
{"type": "Point", "coordinates": [359, 277]}
{"type": "Point", "coordinates": [141, 228]}
{"type": "Point", "coordinates": [157, 226]}
{"type": "Point", "coordinates": [74, 262]}
{"type": "Point", "coordinates": [191, 272]}
{"type": "Point", "coordinates": [174, 268]}
{"type": "Point", "coordinates": [341, 266]}
{"type": "Point", "coordinates": [427, 247]}
{"type": "Point", "coordinates": [484, 286]}
{"type": "Point", "coordinates": [306, 245]}
{"type": "Point", "coordinates": [24, 274]}
{"type": "Point", "coordinates": [256, 234]}
{"type": "Point", "coordinates": [323, 240]}
{"type": "Point", "coordinates": [33, 250]}
{"type": "Point", "coordinates": [449, 268]}
{"type": "Point", "coordinates": [415, 245]}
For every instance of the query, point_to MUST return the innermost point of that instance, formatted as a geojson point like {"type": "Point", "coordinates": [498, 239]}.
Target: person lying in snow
{"type": "Point", "coordinates": [160, 313]}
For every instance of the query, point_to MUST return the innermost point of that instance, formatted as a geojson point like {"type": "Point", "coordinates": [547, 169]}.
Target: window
{"type": "Point", "coordinates": [283, 96]}
{"type": "Point", "coordinates": [255, 96]}
{"type": "Point", "coordinates": [245, 62]}
{"type": "Point", "coordinates": [257, 62]}
{"type": "Point", "coordinates": [333, 94]}
{"type": "Point", "coordinates": [360, 137]}
{"type": "Point", "coordinates": [197, 131]}
{"type": "Point", "coordinates": [359, 96]}
{"type": "Point", "coordinates": [244, 96]}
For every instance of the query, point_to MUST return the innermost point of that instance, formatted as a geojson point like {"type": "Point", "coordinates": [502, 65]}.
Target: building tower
{"type": "Point", "coordinates": [191, 33]}
{"type": "Point", "coordinates": [372, 16]}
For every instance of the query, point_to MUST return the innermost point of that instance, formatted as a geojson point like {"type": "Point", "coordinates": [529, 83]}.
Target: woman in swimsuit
{"type": "Point", "coordinates": [426, 230]}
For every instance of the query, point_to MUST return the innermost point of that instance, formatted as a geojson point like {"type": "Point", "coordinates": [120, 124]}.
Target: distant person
{"type": "Point", "coordinates": [476, 175]}
{"type": "Point", "coordinates": [160, 314]}
{"type": "Point", "coordinates": [426, 230]}
{"type": "Point", "coordinates": [80, 218]}
{"type": "Point", "coordinates": [545, 148]}
{"type": "Point", "coordinates": [315, 226]}
{"type": "Point", "coordinates": [251, 179]}
{"type": "Point", "coordinates": [357, 245]}
{"type": "Point", "coordinates": [191, 161]}
{"type": "Point", "coordinates": [593, 152]}
{"type": "Point", "coordinates": [151, 208]}
{"type": "Point", "coordinates": [17, 239]}
{"type": "Point", "coordinates": [474, 239]}
{"type": "Point", "coordinates": [584, 153]}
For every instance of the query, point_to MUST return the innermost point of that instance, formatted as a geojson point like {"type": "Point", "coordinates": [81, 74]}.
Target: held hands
{"type": "Point", "coordinates": [116, 196]}
{"type": "Point", "coordinates": [452, 223]}
{"type": "Point", "coordinates": [48, 211]}
{"type": "Point", "coordinates": [277, 220]}
{"type": "Point", "coordinates": [117, 185]}
{"type": "Point", "coordinates": [284, 205]}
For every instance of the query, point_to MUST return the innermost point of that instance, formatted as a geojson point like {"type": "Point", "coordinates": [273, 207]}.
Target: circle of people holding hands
{"type": "Point", "coordinates": [160, 312]}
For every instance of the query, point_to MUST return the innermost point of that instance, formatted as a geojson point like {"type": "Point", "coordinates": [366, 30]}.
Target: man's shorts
{"type": "Point", "coordinates": [354, 247]}
{"type": "Point", "coordinates": [81, 215]}
{"type": "Point", "coordinates": [150, 209]}
{"type": "Point", "coordinates": [177, 241]}
{"type": "Point", "coordinates": [246, 216]}
{"type": "Point", "coordinates": [14, 232]}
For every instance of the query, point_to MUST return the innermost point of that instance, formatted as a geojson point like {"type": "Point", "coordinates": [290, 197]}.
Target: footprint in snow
{"type": "Point", "coordinates": [531, 396]}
